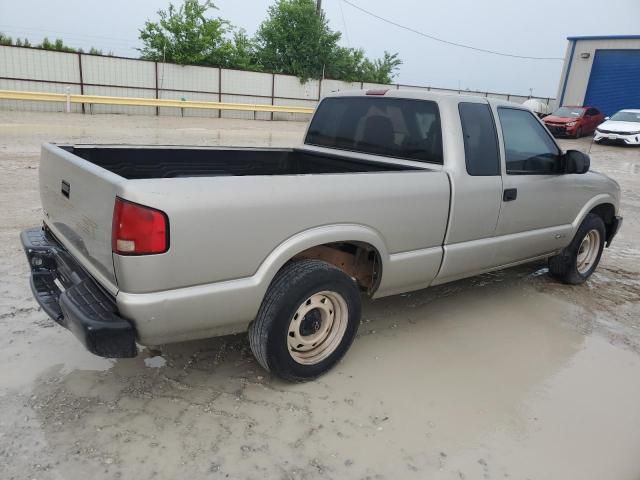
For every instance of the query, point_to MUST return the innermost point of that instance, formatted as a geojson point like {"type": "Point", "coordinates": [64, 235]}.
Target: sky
{"type": "Point", "coordinates": [521, 27]}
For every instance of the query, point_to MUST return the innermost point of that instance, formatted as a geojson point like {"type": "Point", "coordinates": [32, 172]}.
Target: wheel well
{"type": "Point", "coordinates": [607, 212]}
{"type": "Point", "coordinates": [359, 260]}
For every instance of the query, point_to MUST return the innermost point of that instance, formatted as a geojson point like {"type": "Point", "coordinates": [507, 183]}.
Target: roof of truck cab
{"type": "Point", "coordinates": [419, 94]}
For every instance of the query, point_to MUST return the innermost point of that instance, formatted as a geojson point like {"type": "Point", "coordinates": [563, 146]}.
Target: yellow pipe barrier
{"type": "Point", "coordinates": [147, 102]}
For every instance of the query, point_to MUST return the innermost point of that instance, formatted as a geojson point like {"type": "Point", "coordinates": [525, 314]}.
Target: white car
{"type": "Point", "coordinates": [623, 127]}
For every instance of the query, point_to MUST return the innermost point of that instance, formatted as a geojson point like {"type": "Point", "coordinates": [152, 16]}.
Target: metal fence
{"type": "Point", "coordinates": [36, 70]}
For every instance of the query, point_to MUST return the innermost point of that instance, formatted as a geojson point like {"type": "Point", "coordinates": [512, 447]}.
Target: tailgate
{"type": "Point", "coordinates": [78, 198]}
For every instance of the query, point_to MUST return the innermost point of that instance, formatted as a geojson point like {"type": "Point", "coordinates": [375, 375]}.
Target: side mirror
{"type": "Point", "coordinates": [576, 161]}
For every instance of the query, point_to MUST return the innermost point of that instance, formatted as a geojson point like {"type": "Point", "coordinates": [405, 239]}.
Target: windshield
{"type": "Point", "coordinates": [569, 112]}
{"type": "Point", "coordinates": [393, 127]}
{"type": "Point", "coordinates": [626, 117]}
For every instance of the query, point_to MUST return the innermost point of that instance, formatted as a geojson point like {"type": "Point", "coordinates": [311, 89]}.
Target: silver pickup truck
{"type": "Point", "coordinates": [392, 191]}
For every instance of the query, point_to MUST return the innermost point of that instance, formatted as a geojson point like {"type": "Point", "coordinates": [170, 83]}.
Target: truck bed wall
{"type": "Point", "coordinates": [164, 162]}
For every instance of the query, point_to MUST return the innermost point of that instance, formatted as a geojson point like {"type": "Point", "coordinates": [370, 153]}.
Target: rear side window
{"type": "Point", "coordinates": [480, 139]}
{"type": "Point", "coordinates": [393, 127]}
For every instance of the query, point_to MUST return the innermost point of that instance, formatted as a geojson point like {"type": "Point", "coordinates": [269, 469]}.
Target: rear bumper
{"type": "Point", "coordinates": [74, 300]}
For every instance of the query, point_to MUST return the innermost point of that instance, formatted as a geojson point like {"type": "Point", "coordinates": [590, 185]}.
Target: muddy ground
{"type": "Point", "coordinates": [507, 375]}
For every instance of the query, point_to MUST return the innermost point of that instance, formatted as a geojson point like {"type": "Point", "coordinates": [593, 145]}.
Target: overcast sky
{"type": "Point", "coordinates": [534, 28]}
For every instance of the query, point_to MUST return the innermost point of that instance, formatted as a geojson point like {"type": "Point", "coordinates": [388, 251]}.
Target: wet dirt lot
{"type": "Point", "coordinates": [506, 375]}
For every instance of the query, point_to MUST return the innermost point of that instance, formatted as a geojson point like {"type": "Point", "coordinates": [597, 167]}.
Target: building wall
{"type": "Point", "coordinates": [580, 68]}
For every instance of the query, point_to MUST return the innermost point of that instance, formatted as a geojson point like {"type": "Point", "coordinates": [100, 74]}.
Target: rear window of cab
{"type": "Point", "coordinates": [393, 127]}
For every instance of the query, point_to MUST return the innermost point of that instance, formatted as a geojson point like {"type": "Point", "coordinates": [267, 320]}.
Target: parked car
{"type": "Point", "coordinates": [392, 191]}
{"type": "Point", "coordinates": [573, 121]}
{"type": "Point", "coordinates": [622, 128]}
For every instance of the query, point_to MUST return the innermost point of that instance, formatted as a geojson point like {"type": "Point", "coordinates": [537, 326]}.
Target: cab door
{"type": "Point", "coordinates": [474, 169]}
{"type": "Point", "coordinates": [539, 201]}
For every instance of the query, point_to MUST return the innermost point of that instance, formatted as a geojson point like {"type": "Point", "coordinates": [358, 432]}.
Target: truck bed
{"type": "Point", "coordinates": [135, 163]}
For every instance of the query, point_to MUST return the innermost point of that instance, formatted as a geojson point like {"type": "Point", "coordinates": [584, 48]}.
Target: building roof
{"type": "Point", "coordinates": [606, 37]}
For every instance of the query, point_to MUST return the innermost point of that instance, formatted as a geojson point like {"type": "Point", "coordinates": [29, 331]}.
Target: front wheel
{"type": "Point", "coordinates": [576, 263]}
{"type": "Point", "coordinates": [307, 321]}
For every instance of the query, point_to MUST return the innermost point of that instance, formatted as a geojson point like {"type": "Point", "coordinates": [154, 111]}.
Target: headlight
{"type": "Point", "coordinates": [571, 124]}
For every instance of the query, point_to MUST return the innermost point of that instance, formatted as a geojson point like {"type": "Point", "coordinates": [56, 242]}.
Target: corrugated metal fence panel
{"type": "Point", "coordinates": [189, 112]}
{"type": "Point", "coordinates": [614, 83]}
{"type": "Point", "coordinates": [518, 98]}
{"type": "Point", "coordinates": [287, 86]}
{"type": "Point", "coordinates": [237, 82]}
{"type": "Point", "coordinates": [118, 71]}
{"type": "Point", "coordinates": [187, 77]}
{"type": "Point", "coordinates": [370, 86]}
{"type": "Point", "coordinates": [245, 99]}
{"type": "Point", "coordinates": [302, 117]}
{"type": "Point", "coordinates": [414, 88]}
{"type": "Point", "coordinates": [329, 86]}
{"type": "Point", "coordinates": [31, 86]}
{"type": "Point", "coordinates": [499, 96]}
{"type": "Point", "coordinates": [121, 92]}
{"type": "Point", "coordinates": [32, 64]}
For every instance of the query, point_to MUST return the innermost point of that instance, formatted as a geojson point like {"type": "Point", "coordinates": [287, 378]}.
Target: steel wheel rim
{"type": "Point", "coordinates": [327, 314]}
{"type": "Point", "coordinates": [588, 251]}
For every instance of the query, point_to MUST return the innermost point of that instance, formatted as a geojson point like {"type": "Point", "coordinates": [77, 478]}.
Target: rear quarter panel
{"type": "Point", "coordinates": [224, 228]}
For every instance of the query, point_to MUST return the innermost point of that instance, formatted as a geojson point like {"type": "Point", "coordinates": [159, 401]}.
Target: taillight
{"type": "Point", "coordinates": [138, 230]}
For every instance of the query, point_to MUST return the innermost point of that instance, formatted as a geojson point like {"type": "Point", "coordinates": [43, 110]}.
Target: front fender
{"type": "Point", "coordinates": [599, 199]}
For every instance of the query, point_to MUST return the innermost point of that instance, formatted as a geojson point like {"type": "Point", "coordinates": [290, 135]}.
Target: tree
{"type": "Point", "coordinates": [5, 39]}
{"type": "Point", "coordinates": [296, 40]}
{"type": "Point", "coordinates": [186, 35]}
{"type": "Point", "coordinates": [381, 70]}
{"type": "Point", "coordinates": [57, 45]}
{"type": "Point", "coordinates": [22, 42]}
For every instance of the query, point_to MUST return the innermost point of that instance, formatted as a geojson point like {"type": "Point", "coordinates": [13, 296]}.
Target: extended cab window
{"type": "Point", "coordinates": [394, 127]}
{"type": "Point", "coordinates": [529, 149]}
{"type": "Point", "coordinates": [480, 139]}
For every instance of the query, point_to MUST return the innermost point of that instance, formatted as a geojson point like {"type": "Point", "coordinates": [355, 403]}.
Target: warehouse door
{"type": "Point", "coordinates": [614, 83]}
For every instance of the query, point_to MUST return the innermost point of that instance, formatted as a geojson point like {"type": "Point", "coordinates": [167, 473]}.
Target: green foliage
{"type": "Point", "coordinates": [186, 35]}
{"type": "Point", "coordinates": [57, 45]}
{"type": "Point", "coordinates": [295, 40]}
{"type": "Point", "coordinates": [22, 42]}
{"type": "Point", "coordinates": [5, 39]}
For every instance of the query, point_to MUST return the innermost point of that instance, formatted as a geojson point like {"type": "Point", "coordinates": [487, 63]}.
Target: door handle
{"type": "Point", "coordinates": [510, 194]}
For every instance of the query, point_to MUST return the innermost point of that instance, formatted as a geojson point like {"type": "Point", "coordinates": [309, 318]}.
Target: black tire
{"type": "Point", "coordinates": [564, 266]}
{"type": "Point", "coordinates": [293, 285]}
{"type": "Point", "coordinates": [579, 132]}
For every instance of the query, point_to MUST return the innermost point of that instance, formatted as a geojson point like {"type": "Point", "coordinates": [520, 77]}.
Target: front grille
{"type": "Point", "coordinates": [601, 130]}
{"type": "Point", "coordinates": [556, 128]}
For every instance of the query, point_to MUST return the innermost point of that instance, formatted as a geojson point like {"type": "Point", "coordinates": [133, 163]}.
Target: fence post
{"type": "Point", "coordinates": [68, 92]}
{"type": "Point", "coordinates": [157, 108]}
{"type": "Point", "coordinates": [273, 90]}
{"type": "Point", "coordinates": [219, 90]}
{"type": "Point", "coordinates": [81, 81]}
{"type": "Point", "coordinates": [361, 85]}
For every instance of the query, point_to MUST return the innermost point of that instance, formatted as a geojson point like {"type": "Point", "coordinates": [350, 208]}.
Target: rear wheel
{"type": "Point", "coordinates": [307, 321]}
{"type": "Point", "coordinates": [576, 263]}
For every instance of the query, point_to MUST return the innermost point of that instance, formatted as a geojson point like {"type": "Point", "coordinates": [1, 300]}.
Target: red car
{"type": "Point", "coordinates": [573, 121]}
